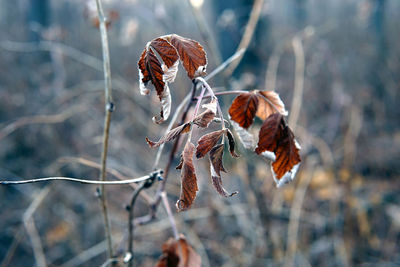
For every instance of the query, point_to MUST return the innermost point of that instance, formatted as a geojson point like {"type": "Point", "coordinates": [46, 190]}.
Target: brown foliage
{"type": "Point", "coordinates": [216, 166]}
{"type": "Point", "coordinates": [243, 109]}
{"type": "Point", "coordinates": [207, 142]}
{"type": "Point", "coordinates": [184, 128]}
{"type": "Point", "coordinates": [178, 253]}
{"type": "Point", "coordinates": [277, 141]}
{"type": "Point", "coordinates": [188, 179]}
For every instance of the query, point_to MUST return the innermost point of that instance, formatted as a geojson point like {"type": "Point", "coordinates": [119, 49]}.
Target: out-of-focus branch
{"type": "Point", "coordinates": [39, 119]}
{"type": "Point", "coordinates": [109, 108]}
{"type": "Point", "coordinates": [298, 81]}
{"type": "Point", "coordinates": [31, 228]}
{"type": "Point", "coordinates": [248, 34]}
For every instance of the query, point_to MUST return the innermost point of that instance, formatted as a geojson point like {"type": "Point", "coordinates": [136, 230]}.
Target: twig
{"type": "Point", "coordinates": [170, 216]}
{"type": "Point", "coordinates": [295, 214]}
{"type": "Point", "coordinates": [248, 34]}
{"type": "Point", "coordinates": [298, 81]}
{"type": "Point", "coordinates": [86, 255]}
{"type": "Point", "coordinates": [78, 180]}
{"type": "Point", "coordinates": [31, 229]}
{"type": "Point", "coordinates": [109, 107]}
{"type": "Point", "coordinates": [129, 252]}
{"type": "Point", "coordinates": [225, 64]}
{"type": "Point", "coordinates": [44, 119]}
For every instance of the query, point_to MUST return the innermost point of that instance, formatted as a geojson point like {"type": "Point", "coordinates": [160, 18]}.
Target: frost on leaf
{"type": "Point", "coordinates": [178, 253]}
{"type": "Point", "coordinates": [276, 142]}
{"type": "Point", "coordinates": [184, 128]}
{"type": "Point", "coordinates": [216, 167]}
{"type": "Point", "coordinates": [207, 142]}
{"type": "Point", "coordinates": [245, 137]}
{"type": "Point", "coordinates": [191, 53]}
{"type": "Point", "coordinates": [158, 73]}
{"type": "Point", "coordinates": [204, 119]}
{"type": "Point", "coordinates": [232, 144]}
{"type": "Point", "coordinates": [188, 178]}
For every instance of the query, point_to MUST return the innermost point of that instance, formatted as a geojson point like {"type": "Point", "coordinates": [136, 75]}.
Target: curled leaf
{"type": "Point", "coordinates": [188, 179]}
{"type": "Point", "coordinates": [207, 142]}
{"type": "Point", "coordinates": [205, 118]}
{"type": "Point", "coordinates": [178, 253]}
{"type": "Point", "coordinates": [191, 53]}
{"type": "Point", "coordinates": [184, 128]}
{"type": "Point", "coordinates": [243, 109]}
{"type": "Point", "coordinates": [231, 141]}
{"type": "Point", "coordinates": [151, 70]}
{"type": "Point", "coordinates": [268, 104]}
{"type": "Point", "coordinates": [276, 142]}
{"type": "Point", "coordinates": [216, 167]}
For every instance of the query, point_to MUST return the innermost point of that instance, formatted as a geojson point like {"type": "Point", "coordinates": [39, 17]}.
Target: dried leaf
{"type": "Point", "coordinates": [151, 70]}
{"type": "Point", "coordinates": [243, 109]}
{"type": "Point", "coordinates": [207, 142]}
{"type": "Point", "coordinates": [246, 138]}
{"type": "Point", "coordinates": [231, 142]}
{"type": "Point", "coordinates": [216, 167]}
{"type": "Point", "coordinates": [204, 119]}
{"type": "Point", "coordinates": [191, 53]}
{"type": "Point", "coordinates": [184, 128]}
{"type": "Point", "coordinates": [276, 142]}
{"type": "Point", "coordinates": [178, 253]}
{"type": "Point", "coordinates": [188, 179]}
{"type": "Point", "coordinates": [269, 103]}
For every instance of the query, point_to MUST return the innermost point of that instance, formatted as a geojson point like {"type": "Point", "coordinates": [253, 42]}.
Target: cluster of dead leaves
{"type": "Point", "coordinates": [158, 64]}
{"type": "Point", "coordinates": [275, 139]}
{"type": "Point", "coordinates": [210, 143]}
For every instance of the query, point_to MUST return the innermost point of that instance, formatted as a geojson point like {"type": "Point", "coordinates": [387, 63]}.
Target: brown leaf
{"type": "Point", "coordinates": [151, 70]}
{"type": "Point", "coordinates": [231, 142]}
{"type": "Point", "coordinates": [216, 167]}
{"type": "Point", "coordinates": [191, 53]}
{"type": "Point", "coordinates": [276, 142]}
{"type": "Point", "coordinates": [207, 142]}
{"type": "Point", "coordinates": [243, 109]}
{"type": "Point", "coordinates": [188, 179]}
{"type": "Point", "coordinates": [269, 103]}
{"type": "Point", "coordinates": [178, 253]}
{"type": "Point", "coordinates": [204, 119]}
{"type": "Point", "coordinates": [184, 128]}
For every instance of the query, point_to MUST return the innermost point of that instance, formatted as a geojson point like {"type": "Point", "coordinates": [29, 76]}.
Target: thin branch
{"type": "Point", "coordinates": [31, 228]}
{"type": "Point", "coordinates": [170, 216]}
{"type": "Point", "coordinates": [39, 119]}
{"type": "Point", "coordinates": [225, 64]}
{"type": "Point", "coordinates": [298, 81]}
{"type": "Point", "coordinates": [78, 180]}
{"type": "Point", "coordinates": [248, 34]}
{"type": "Point", "coordinates": [109, 107]}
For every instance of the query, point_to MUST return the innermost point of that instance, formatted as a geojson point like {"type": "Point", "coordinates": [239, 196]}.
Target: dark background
{"type": "Point", "coordinates": [343, 208]}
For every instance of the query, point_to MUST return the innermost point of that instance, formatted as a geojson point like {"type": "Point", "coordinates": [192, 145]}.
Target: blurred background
{"type": "Point", "coordinates": [335, 64]}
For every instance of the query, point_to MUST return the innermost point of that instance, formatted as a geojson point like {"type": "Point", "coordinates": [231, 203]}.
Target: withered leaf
{"type": "Point", "coordinates": [191, 53]}
{"type": "Point", "coordinates": [151, 70]}
{"type": "Point", "coordinates": [204, 119]}
{"type": "Point", "coordinates": [269, 103]}
{"type": "Point", "coordinates": [276, 142]}
{"type": "Point", "coordinates": [188, 179]}
{"type": "Point", "coordinates": [207, 142]}
{"type": "Point", "coordinates": [231, 141]}
{"type": "Point", "coordinates": [178, 253]}
{"type": "Point", "coordinates": [216, 167]}
{"type": "Point", "coordinates": [184, 128]}
{"type": "Point", "coordinates": [243, 109]}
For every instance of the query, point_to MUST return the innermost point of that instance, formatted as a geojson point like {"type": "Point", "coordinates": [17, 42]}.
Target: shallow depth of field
{"type": "Point", "coordinates": [343, 209]}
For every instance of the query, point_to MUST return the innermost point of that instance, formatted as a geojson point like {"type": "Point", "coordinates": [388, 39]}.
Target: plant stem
{"type": "Point", "coordinates": [78, 180]}
{"type": "Point", "coordinates": [109, 107]}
